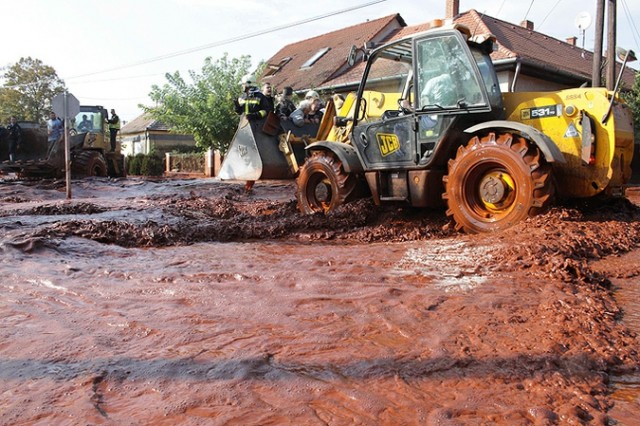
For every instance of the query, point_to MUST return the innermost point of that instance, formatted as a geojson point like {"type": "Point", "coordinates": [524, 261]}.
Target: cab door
{"type": "Point", "coordinates": [388, 142]}
{"type": "Point", "coordinates": [385, 134]}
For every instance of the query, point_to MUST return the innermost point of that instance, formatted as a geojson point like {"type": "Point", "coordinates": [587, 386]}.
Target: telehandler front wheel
{"type": "Point", "coordinates": [88, 163]}
{"type": "Point", "coordinates": [496, 182]}
{"type": "Point", "coordinates": [322, 184]}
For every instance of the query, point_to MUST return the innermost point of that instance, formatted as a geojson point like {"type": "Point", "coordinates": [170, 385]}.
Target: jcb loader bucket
{"type": "Point", "coordinates": [254, 154]}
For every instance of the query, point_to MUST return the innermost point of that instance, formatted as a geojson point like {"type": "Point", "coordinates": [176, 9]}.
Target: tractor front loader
{"type": "Point", "coordinates": [89, 148]}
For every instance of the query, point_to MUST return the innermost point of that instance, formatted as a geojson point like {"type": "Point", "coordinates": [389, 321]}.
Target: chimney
{"type": "Point", "coordinates": [527, 24]}
{"type": "Point", "coordinates": [453, 9]}
{"type": "Point", "coordinates": [572, 40]}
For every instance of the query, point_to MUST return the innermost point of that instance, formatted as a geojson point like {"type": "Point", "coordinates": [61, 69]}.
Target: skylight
{"type": "Point", "coordinates": [315, 57]}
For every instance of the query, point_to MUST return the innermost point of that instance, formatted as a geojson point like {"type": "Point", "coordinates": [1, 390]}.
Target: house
{"type": "Point", "coordinates": [535, 61]}
{"type": "Point", "coordinates": [143, 135]}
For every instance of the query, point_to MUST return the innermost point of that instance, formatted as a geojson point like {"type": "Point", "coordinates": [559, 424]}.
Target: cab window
{"type": "Point", "coordinates": [445, 76]}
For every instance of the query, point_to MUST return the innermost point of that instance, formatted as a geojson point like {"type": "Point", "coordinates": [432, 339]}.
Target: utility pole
{"type": "Point", "coordinates": [596, 75]}
{"type": "Point", "coordinates": [611, 44]}
{"type": "Point", "coordinates": [67, 152]}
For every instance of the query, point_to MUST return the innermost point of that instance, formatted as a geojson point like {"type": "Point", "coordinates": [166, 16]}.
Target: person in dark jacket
{"type": "Point", "coordinates": [252, 103]}
{"type": "Point", "coordinates": [286, 106]}
{"type": "Point", "coordinates": [15, 137]}
{"type": "Point", "coordinates": [267, 91]}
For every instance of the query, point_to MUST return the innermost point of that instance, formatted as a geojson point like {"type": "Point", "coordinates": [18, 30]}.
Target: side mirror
{"type": "Point", "coordinates": [625, 55]}
{"type": "Point", "coordinates": [351, 57]}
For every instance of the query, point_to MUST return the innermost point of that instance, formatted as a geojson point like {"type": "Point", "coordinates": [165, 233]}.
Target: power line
{"type": "Point", "coordinates": [231, 40]}
{"type": "Point", "coordinates": [120, 78]}
{"type": "Point", "coordinates": [632, 24]}
{"type": "Point", "coordinates": [500, 9]}
{"type": "Point", "coordinates": [84, 98]}
{"type": "Point", "coordinates": [549, 14]}
{"type": "Point", "coordinates": [528, 10]}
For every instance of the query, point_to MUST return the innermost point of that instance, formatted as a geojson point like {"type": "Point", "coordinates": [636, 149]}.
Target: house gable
{"type": "Point", "coordinates": [144, 134]}
{"type": "Point", "coordinates": [141, 124]}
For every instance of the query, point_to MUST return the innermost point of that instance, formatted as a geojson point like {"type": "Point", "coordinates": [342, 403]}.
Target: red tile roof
{"type": "Point", "coordinates": [538, 52]}
{"type": "Point", "coordinates": [330, 63]}
{"type": "Point", "coordinates": [516, 41]}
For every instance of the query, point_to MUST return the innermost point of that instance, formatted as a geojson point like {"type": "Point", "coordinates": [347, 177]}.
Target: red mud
{"type": "Point", "coordinates": [189, 302]}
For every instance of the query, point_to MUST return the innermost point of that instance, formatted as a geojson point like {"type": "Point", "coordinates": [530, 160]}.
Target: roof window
{"type": "Point", "coordinates": [315, 57]}
{"type": "Point", "coordinates": [272, 69]}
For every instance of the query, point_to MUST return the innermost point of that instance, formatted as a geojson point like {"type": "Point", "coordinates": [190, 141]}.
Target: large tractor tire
{"type": "Point", "coordinates": [323, 185]}
{"type": "Point", "coordinates": [496, 182]}
{"type": "Point", "coordinates": [88, 163]}
{"type": "Point", "coordinates": [115, 165]}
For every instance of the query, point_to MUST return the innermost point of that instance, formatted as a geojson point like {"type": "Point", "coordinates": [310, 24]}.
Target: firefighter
{"type": "Point", "coordinates": [254, 105]}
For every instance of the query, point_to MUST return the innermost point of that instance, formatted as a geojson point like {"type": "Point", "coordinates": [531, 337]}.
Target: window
{"type": "Point", "coordinates": [315, 57]}
{"type": "Point", "coordinates": [446, 78]}
{"type": "Point", "coordinates": [272, 69]}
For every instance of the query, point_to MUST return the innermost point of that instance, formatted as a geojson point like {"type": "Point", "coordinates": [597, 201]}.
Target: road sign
{"type": "Point", "coordinates": [73, 105]}
{"type": "Point", "coordinates": [66, 105]}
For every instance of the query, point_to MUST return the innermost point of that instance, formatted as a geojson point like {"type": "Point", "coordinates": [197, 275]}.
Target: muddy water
{"type": "Point", "coordinates": [189, 302]}
{"type": "Point", "coordinates": [626, 383]}
{"type": "Point", "coordinates": [246, 336]}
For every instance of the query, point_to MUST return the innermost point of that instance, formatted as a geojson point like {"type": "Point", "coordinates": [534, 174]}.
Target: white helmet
{"type": "Point", "coordinates": [312, 94]}
{"type": "Point", "coordinates": [248, 80]}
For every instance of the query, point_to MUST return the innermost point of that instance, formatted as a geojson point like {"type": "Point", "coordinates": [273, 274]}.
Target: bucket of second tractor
{"type": "Point", "coordinates": [255, 153]}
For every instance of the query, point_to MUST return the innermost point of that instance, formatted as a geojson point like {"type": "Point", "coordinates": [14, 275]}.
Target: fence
{"type": "Point", "coordinates": [198, 164]}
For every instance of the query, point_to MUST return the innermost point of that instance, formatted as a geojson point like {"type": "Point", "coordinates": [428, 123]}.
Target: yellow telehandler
{"type": "Point", "coordinates": [429, 126]}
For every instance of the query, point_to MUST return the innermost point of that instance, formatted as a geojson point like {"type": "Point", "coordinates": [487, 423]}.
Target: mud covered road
{"type": "Point", "coordinates": [190, 302]}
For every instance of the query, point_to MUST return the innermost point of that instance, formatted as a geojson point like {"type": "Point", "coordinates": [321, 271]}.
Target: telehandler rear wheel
{"type": "Point", "coordinates": [496, 182]}
{"type": "Point", "coordinates": [88, 163]}
{"type": "Point", "coordinates": [322, 184]}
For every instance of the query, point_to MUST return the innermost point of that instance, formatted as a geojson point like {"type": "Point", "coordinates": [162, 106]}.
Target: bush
{"type": "Point", "coordinates": [152, 165]}
{"type": "Point", "coordinates": [134, 163]}
{"type": "Point", "coordinates": [145, 165]}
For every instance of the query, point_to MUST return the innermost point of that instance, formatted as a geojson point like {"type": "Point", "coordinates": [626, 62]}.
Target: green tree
{"type": "Point", "coordinates": [204, 106]}
{"type": "Point", "coordinates": [29, 86]}
{"type": "Point", "coordinates": [633, 100]}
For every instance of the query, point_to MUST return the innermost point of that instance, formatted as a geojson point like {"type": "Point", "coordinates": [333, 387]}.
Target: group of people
{"type": "Point", "coordinates": [55, 127]}
{"type": "Point", "coordinates": [55, 130]}
{"type": "Point", "coordinates": [258, 102]}
{"type": "Point", "coordinates": [255, 103]}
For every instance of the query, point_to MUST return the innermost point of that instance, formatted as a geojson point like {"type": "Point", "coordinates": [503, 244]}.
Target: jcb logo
{"type": "Point", "coordinates": [388, 143]}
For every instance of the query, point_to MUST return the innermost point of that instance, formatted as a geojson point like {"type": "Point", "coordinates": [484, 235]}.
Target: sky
{"type": "Point", "coordinates": [112, 53]}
